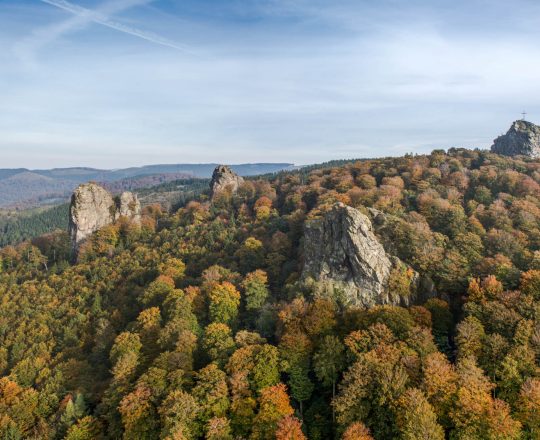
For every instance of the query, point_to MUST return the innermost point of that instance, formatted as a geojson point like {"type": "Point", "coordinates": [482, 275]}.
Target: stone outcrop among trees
{"type": "Point", "coordinates": [224, 179]}
{"type": "Point", "coordinates": [523, 138]}
{"type": "Point", "coordinates": [342, 249]}
{"type": "Point", "coordinates": [93, 207]}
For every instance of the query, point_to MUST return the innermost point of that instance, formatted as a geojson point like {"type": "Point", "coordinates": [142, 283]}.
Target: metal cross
{"type": "Point", "coordinates": [523, 114]}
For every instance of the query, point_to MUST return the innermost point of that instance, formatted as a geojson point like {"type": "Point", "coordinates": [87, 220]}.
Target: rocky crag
{"type": "Point", "coordinates": [341, 249]}
{"type": "Point", "coordinates": [93, 207]}
{"type": "Point", "coordinates": [523, 138]}
{"type": "Point", "coordinates": [224, 179]}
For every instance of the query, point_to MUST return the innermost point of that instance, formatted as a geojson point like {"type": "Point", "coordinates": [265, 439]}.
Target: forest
{"type": "Point", "coordinates": [16, 227]}
{"type": "Point", "coordinates": [197, 324]}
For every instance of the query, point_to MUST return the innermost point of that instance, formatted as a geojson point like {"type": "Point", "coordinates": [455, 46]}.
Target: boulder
{"type": "Point", "coordinates": [341, 249]}
{"type": "Point", "coordinates": [224, 179]}
{"type": "Point", "coordinates": [93, 207]}
{"type": "Point", "coordinates": [523, 138]}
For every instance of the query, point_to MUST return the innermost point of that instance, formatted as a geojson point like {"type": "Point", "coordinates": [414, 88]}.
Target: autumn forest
{"type": "Point", "coordinates": [198, 323]}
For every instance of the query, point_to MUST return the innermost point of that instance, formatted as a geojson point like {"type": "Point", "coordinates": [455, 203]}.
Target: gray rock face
{"type": "Point", "coordinates": [342, 249]}
{"type": "Point", "coordinates": [224, 179]}
{"type": "Point", "coordinates": [93, 207]}
{"type": "Point", "coordinates": [129, 207]}
{"type": "Point", "coordinates": [523, 138]}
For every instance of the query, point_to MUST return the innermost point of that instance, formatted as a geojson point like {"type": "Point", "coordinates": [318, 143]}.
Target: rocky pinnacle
{"type": "Point", "coordinates": [224, 179]}
{"type": "Point", "coordinates": [93, 207]}
{"type": "Point", "coordinates": [523, 138]}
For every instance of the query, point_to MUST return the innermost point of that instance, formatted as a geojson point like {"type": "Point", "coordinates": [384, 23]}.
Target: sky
{"type": "Point", "coordinates": [118, 83]}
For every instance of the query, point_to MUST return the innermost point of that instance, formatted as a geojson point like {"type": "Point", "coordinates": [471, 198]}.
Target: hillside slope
{"type": "Point", "coordinates": [199, 325]}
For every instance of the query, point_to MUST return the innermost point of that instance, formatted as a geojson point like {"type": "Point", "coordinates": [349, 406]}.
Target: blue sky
{"type": "Point", "coordinates": [116, 83]}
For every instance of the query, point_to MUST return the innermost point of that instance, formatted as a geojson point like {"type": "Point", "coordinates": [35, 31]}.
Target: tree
{"type": "Point", "coordinates": [329, 361]}
{"type": "Point", "coordinates": [224, 302]}
{"type": "Point", "coordinates": [263, 208]}
{"type": "Point", "coordinates": [266, 367]}
{"type": "Point", "coordinates": [357, 431]}
{"type": "Point", "coordinates": [138, 414]}
{"type": "Point", "coordinates": [211, 393]}
{"type": "Point", "coordinates": [157, 291]}
{"type": "Point", "coordinates": [290, 428]}
{"type": "Point", "coordinates": [19, 406]}
{"type": "Point", "coordinates": [416, 418]}
{"type": "Point", "coordinates": [173, 268]}
{"type": "Point", "coordinates": [87, 428]}
{"type": "Point", "coordinates": [301, 386]}
{"type": "Point", "coordinates": [529, 406]}
{"type": "Point", "coordinates": [470, 333]}
{"type": "Point", "coordinates": [125, 354]}
{"type": "Point", "coordinates": [442, 320]}
{"type": "Point", "coordinates": [530, 283]}
{"type": "Point", "coordinates": [476, 415]}
{"type": "Point", "coordinates": [218, 343]}
{"type": "Point", "coordinates": [74, 410]}
{"type": "Point", "coordinates": [179, 413]}
{"type": "Point", "coordinates": [370, 389]}
{"type": "Point", "coordinates": [256, 290]}
{"type": "Point", "coordinates": [148, 327]}
{"type": "Point", "coordinates": [218, 428]}
{"type": "Point", "coordinates": [295, 349]}
{"type": "Point", "coordinates": [251, 255]}
{"type": "Point", "coordinates": [273, 407]}
{"type": "Point", "coordinates": [439, 385]}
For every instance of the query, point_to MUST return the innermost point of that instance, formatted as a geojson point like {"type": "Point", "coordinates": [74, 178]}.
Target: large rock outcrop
{"type": "Point", "coordinates": [341, 249]}
{"type": "Point", "coordinates": [93, 207]}
{"type": "Point", "coordinates": [224, 179]}
{"type": "Point", "coordinates": [523, 138]}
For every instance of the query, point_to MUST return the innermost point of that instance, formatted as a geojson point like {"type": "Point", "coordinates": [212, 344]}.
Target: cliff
{"type": "Point", "coordinates": [342, 249]}
{"type": "Point", "coordinates": [523, 138]}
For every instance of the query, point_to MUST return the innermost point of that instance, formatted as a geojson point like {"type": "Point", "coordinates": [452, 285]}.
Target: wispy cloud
{"type": "Point", "coordinates": [103, 19]}
{"type": "Point", "coordinates": [82, 17]}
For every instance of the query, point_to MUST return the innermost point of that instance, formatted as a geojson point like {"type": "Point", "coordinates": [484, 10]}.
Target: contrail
{"type": "Point", "coordinates": [104, 20]}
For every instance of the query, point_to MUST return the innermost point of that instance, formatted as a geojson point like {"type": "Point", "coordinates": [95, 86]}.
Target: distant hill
{"type": "Point", "coordinates": [22, 188]}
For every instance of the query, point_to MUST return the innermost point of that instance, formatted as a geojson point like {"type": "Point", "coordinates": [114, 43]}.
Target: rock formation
{"type": "Point", "coordinates": [224, 179]}
{"type": "Point", "coordinates": [523, 138]}
{"type": "Point", "coordinates": [341, 249]}
{"type": "Point", "coordinates": [93, 207]}
{"type": "Point", "coordinates": [129, 206]}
